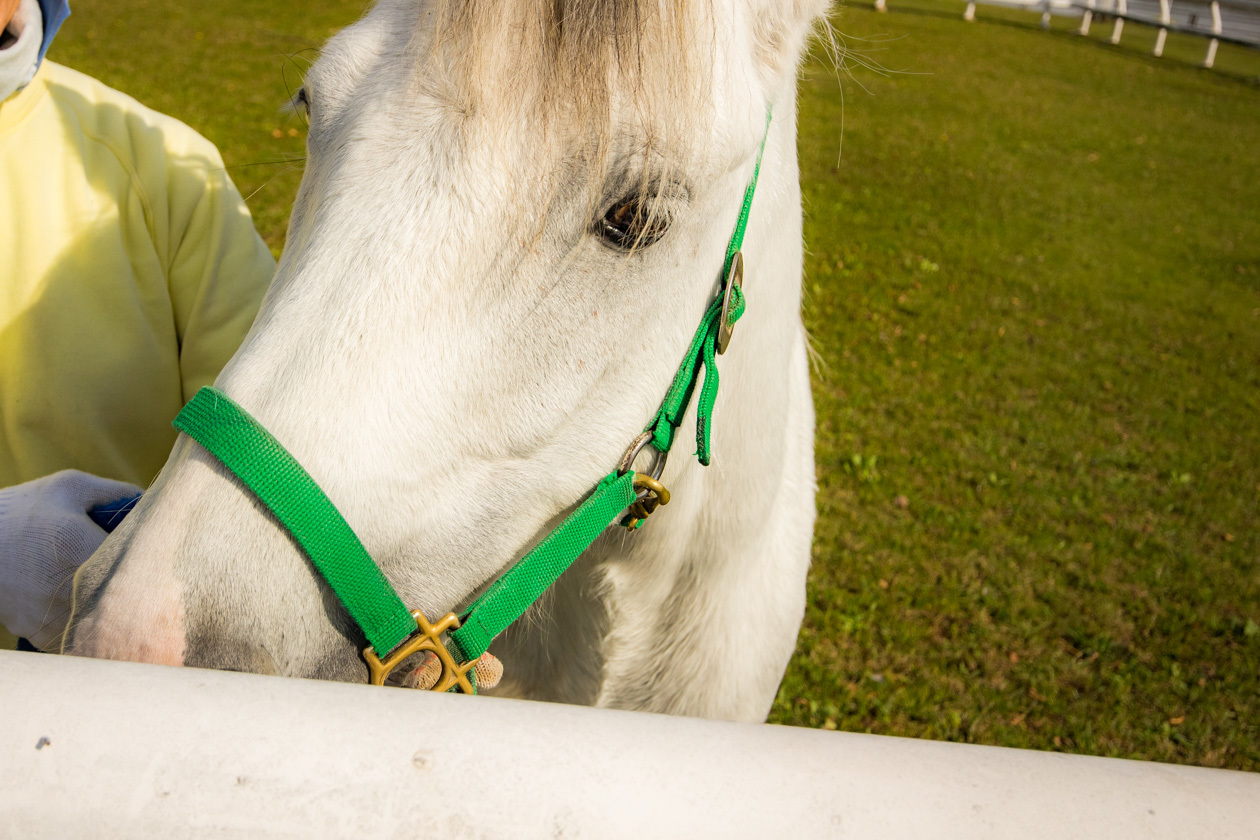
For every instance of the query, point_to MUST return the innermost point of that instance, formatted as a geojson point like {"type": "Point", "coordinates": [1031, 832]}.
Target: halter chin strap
{"type": "Point", "coordinates": [262, 464]}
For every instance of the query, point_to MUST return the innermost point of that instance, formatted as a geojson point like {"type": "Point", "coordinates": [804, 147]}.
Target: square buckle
{"type": "Point", "coordinates": [427, 637]}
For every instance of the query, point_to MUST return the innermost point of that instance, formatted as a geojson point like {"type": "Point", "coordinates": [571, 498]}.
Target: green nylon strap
{"type": "Point", "coordinates": [701, 353]}
{"type": "Point", "coordinates": [737, 238]}
{"type": "Point", "coordinates": [263, 464]}
{"type": "Point", "coordinates": [708, 394]}
{"type": "Point", "coordinates": [511, 595]}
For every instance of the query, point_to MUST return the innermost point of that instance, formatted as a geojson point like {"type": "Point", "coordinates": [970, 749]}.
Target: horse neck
{"type": "Point", "coordinates": [625, 602]}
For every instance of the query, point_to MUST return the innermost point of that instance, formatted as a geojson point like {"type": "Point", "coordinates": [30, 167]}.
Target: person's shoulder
{"type": "Point", "coordinates": [113, 117]}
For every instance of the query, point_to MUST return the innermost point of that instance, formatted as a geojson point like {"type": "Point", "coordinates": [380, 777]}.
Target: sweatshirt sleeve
{"type": "Point", "coordinates": [219, 266]}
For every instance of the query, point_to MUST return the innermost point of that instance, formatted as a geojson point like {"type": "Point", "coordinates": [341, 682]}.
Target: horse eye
{"type": "Point", "coordinates": [303, 100]}
{"type": "Point", "coordinates": [629, 224]}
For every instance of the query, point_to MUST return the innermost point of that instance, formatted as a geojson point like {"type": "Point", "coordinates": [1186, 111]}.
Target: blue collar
{"type": "Point", "coordinates": [55, 12]}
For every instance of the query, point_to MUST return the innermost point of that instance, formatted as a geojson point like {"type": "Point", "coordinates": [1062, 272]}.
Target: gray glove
{"type": "Point", "coordinates": [45, 534]}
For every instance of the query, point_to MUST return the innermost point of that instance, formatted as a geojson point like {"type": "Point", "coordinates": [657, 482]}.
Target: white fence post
{"type": "Point", "coordinates": [1122, 8]}
{"type": "Point", "coordinates": [881, 5]}
{"type": "Point", "coordinates": [1165, 17]}
{"type": "Point", "coordinates": [1210, 58]}
{"type": "Point", "coordinates": [1119, 10]}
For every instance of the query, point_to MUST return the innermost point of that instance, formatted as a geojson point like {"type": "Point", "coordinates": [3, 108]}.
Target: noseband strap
{"type": "Point", "coordinates": [263, 465]}
{"type": "Point", "coordinates": [275, 477]}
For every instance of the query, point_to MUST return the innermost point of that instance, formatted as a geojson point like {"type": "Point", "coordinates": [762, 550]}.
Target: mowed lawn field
{"type": "Point", "coordinates": [1033, 288]}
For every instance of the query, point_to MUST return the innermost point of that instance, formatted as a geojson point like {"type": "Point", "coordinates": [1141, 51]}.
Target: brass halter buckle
{"type": "Point", "coordinates": [427, 637]}
{"type": "Point", "coordinates": [649, 492]}
{"type": "Point", "coordinates": [652, 494]}
{"type": "Point", "coordinates": [725, 325]}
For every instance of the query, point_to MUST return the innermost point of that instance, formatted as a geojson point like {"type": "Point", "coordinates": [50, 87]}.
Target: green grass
{"type": "Point", "coordinates": [1033, 285]}
{"type": "Point", "coordinates": [1034, 288]}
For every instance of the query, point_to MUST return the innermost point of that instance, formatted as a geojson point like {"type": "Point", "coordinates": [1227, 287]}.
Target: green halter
{"type": "Point", "coordinates": [263, 465]}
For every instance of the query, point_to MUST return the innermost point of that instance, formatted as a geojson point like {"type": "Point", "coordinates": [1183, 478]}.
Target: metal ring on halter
{"type": "Point", "coordinates": [726, 326]}
{"type": "Point", "coordinates": [658, 457]}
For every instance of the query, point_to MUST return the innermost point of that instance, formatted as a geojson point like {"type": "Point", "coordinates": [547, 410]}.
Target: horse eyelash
{"type": "Point", "coordinates": [649, 197]}
{"type": "Point", "coordinates": [300, 102]}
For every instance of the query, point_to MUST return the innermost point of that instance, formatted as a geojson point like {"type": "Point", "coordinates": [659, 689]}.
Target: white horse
{"type": "Point", "coordinates": [514, 214]}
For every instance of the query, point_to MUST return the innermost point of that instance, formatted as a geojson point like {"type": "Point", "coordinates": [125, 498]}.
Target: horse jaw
{"type": "Point", "coordinates": [457, 361]}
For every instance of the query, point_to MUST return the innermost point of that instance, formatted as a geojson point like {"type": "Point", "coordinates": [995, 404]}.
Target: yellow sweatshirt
{"type": "Point", "coordinates": [129, 273]}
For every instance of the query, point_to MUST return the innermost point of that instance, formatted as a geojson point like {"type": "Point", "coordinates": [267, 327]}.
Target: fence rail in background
{"type": "Point", "coordinates": [1239, 25]}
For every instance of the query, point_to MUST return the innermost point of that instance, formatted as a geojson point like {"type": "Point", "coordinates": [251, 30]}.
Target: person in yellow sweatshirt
{"type": "Point", "coordinates": [130, 271]}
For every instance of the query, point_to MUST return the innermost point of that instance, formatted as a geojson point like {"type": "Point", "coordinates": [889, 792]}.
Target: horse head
{"type": "Point", "coordinates": [513, 216]}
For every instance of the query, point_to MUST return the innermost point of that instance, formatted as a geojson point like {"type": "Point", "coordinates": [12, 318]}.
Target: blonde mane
{"type": "Point", "coordinates": [573, 63]}
{"type": "Point", "coordinates": [604, 79]}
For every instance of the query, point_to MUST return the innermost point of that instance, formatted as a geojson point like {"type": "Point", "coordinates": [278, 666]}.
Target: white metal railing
{"type": "Point", "coordinates": [1216, 30]}
{"type": "Point", "coordinates": [90, 748]}
{"type": "Point", "coordinates": [1245, 29]}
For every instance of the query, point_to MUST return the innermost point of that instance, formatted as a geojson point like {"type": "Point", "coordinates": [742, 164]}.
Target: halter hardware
{"type": "Point", "coordinates": [640, 443]}
{"type": "Point", "coordinates": [427, 637]}
{"type": "Point", "coordinates": [652, 494]}
{"type": "Point", "coordinates": [295, 499]}
{"type": "Point", "coordinates": [649, 492]}
{"type": "Point", "coordinates": [732, 298]}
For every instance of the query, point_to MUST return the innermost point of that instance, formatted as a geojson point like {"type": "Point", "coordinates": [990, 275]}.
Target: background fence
{"type": "Point", "coordinates": [1235, 21]}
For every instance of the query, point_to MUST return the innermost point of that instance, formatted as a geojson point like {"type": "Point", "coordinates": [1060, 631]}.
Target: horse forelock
{"type": "Point", "coordinates": [574, 66]}
{"type": "Point", "coordinates": [618, 88]}
{"type": "Point", "coordinates": [579, 48]}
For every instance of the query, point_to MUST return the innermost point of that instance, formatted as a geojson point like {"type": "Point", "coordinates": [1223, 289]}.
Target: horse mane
{"type": "Point", "coordinates": [577, 59]}
{"type": "Point", "coordinates": [574, 65]}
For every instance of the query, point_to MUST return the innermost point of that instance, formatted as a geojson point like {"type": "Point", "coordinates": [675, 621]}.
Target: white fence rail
{"type": "Point", "coordinates": [1235, 22]}
{"type": "Point", "coordinates": [106, 749]}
